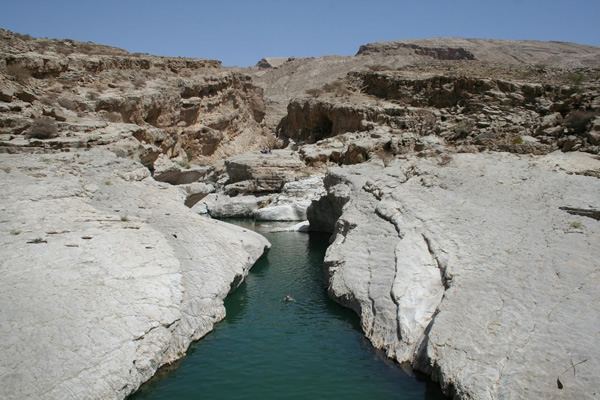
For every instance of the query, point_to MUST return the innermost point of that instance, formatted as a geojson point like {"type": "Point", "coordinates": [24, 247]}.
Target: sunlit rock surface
{"type": "Point", "coordinates": [470, 269]}
{"type": "Point", "coordinates": [106, 275]}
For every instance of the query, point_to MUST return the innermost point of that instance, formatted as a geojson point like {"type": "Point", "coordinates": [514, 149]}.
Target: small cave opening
{"type": "Point", "coordinates": [152, 116]}
{"type": "Point", "coordinates": [323, 128]}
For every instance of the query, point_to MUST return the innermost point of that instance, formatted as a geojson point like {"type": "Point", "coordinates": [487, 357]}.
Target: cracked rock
{"type": "Point", "coordinates": [476, 277]}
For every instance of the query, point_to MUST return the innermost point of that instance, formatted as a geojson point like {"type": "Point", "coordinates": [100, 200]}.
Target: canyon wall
{"type": "Point", "coordinates": [479, 271]}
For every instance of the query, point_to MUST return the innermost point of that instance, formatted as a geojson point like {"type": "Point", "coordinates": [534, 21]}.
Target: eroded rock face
{"type": "Point", "coordinates": [219, 205]}
{"type": "Point", "coordinates": [178, 173]}
{"type": "Point", "coordinates": [471, 271]}
{"type": "Point", "coordinates": [188, 108]}
{"type": "Point", "coordinates": [256, 172]}
{"type": "Point", "coordinates": [292, 79]}
{"type": "Point", "coordinates": [293, 201]}
{"type": "Point", "coordinates": [491, 109]}
{"type": "Point", "coordinates": [471, 267]}
{"type": "Point", "coordinates": [288, 205]}
{"type": "Point", "coordinates": [495, 51]}
{"type": "Point", "coordinates": [106, 275]}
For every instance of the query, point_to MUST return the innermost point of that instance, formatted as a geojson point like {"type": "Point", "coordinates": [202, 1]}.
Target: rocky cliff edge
{"type": "Point", "coordinates": [479, 269]}
{"type": "Point", "coordinates": [106, 275]}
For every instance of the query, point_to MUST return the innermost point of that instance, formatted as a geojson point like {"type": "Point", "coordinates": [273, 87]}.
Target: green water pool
{"type": "Point", "coordinates": [267, 348]}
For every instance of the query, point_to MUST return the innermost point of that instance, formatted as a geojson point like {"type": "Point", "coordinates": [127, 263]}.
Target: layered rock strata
{"type": "Point", "coordinates": [106, 275]}
{"type": "Point", "coordinates": [493, 51]}
{"type": "Point", "coordinates": [474, 112]}
{"type": "Point", "coordinates": [256, 172]}
{"type": "Point", "coordinates": [472, 269]}
{"type": "Point", "coordinates": [66, 94]}
{"type": "Point", "coordinates": [290, 204]}
{"type": "Point", "coordinates": [295, 76]}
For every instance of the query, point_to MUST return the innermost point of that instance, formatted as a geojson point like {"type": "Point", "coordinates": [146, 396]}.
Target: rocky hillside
{"type": "Point", "coordinates": [491, 108]}
{"type": "Point", "coordinates": [292, 78]}
{"type": "Point", "coordinates": [532, 52]}
{"type": "Point", "coordinates": [66, 94]}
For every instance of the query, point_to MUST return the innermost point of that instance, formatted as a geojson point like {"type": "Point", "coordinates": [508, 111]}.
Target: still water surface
{"type": "Point", "coordinates": [270, 349]}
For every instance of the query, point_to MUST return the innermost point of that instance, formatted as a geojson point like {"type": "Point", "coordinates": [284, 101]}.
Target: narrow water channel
{"type": "Point", "coordinates": [267, 348]}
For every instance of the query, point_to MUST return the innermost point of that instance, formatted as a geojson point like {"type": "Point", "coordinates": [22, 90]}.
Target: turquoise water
{"type": "Point", "coordinates": [270, 349]}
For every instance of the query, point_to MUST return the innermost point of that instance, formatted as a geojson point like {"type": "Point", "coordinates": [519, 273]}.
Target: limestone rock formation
{"type": "Point", "coordinates": [187, 108]}
{"type": "Point", "coordinates": [177, 173]}
{"type": "Point", "coordinates": [219, 205]}
{"type": "Point", "coordinates": [293, 201]}
{"type": "Point", "coordinates": [288, 205]}
{"type": "Point", "coordinates": [106, 275]}
{"type": "Point", "coordinates": [493, 51]}
{"type": "Point", "coordinates": [478, 269]}
{"type": "Point", "coordinates": [487, 113]}
{"type": "Point", "coordinates": [317, 74]}
{"type": "Point", "coordinates": [256, 172]}
{"type": "Point", "coordinates": [196, 191]}
{"type": "Point", "coordinates": [472, 270]}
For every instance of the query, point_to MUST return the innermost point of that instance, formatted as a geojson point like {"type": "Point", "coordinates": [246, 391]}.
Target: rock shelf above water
{"type": "Point", "coordinates": [472, 270]}
{"type": "Point", "coordinates": [106, 275]}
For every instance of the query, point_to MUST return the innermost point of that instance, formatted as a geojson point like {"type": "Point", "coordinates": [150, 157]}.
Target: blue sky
{"type": "Point", "coordinates": [242, 32]}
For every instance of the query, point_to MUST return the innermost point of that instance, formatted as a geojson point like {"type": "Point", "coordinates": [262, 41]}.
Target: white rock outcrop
{"type": "Point", "coordinates": [220, 205]}
{"type": "Point", "coordinates": [105, 274]}
{"type": "Point", "coordinates": [254, 172]}
{"type": "Point", "coordinates": [471, 270]}
{"type": "Point", "coordinates": [288, 205]}
{"type": "Point", "coordinates": [291, 204]}
{"type": "Point", "coordinates": [177, 173]}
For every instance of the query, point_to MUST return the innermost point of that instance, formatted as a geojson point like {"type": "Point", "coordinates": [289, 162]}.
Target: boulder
{"type": "Point", "coordinates": [569, 143]}
{"type": "Point", "coordinates": [291, 204]}
{"type": "Point", "coordinates": [196, 192]}
{"type": "Point", "coordinates": [224, 206]}
{"type": "Point", "coordinates": [268, 172]}
{"type": "Point", "coordinates": [284, 212]}
{"type": "Point", "coordinates": [7, 95]}
{"type": "Point", "coordinates": [550, 121]}
{"type": "Point", "coordinates": [26, 96]}
{"type": "Point", "coordinates": [177, 173]}
{"type": "Point", "coordinates": [349, 148]}
{"type": "Point", "coordinates": [554, 131]}
{"type": "Point", "coordinates": [323, 152]}
{"type": "Point", "coordinates": [355, 154]}
{"type": "Point", "coordinates": [299, 227]}
{"type": "Point", "coordinates": [57, 114]}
